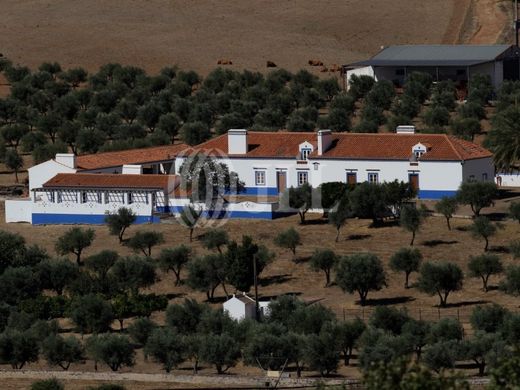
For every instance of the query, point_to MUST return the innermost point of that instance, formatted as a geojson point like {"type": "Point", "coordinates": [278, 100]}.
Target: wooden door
{"type": "Point", "coordinates": [414, 181]}
{"type": "Point", "coordinates": [281, 181]}
{"type": "Point", "coordinates": [351, 178]}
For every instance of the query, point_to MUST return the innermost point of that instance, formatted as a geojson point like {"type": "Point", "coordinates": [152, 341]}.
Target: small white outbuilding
{"type": "Point", "coordinates": [242, 306]}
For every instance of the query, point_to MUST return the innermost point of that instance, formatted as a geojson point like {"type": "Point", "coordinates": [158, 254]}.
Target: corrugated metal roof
{"type": "Point", "coordinates": [435, 55]}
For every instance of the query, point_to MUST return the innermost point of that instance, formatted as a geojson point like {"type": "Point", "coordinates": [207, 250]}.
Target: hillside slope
{"type": "Point", "coordinates": [195, 34]}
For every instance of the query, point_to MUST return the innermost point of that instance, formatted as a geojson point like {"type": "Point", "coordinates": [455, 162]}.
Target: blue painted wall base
{"type": "Point", "coordinates": [64, 219]}
{"type": "Point", "coordinates": [435, 194]}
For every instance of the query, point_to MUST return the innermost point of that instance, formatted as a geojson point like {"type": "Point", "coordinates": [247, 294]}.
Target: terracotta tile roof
{"type": "Point", "coordinates": [399, 147]}
{"type": "Point", "coordinates": [354, 146]}
{"type": "Point", "coordinates": [119, 181]}
{"type": "Point", "coordinates": [264, 144]}
{"type": "Point", "coordinates": [132, 156]}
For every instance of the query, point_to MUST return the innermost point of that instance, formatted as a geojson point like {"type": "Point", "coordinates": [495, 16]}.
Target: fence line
{"type": "Point", "coordinates": [462, 314]}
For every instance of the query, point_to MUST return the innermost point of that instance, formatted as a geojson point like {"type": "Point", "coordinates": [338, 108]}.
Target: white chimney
{"type": "Point", "coordinates": [67, 159]}
{"type": "Point", "coordinates": [405, 129]}
{"type": "Point", "coordinates": [132, 169]}
{"type": "Point", "coordinates": [237, 141]}
{"type": "Point", "coordinates": [324, 141]}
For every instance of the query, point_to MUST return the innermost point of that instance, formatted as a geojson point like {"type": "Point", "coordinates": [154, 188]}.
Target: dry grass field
{"type": "Point", "coordinates": [195, 34]}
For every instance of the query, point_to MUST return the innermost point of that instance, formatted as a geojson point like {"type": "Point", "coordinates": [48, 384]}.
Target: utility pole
{"type": "Point", "coordinates": [516, 22]}
{"type": "Point", "coordinates": [257, 309]}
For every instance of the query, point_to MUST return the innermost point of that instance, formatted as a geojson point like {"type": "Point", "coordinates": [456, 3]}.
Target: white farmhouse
{"type": "Point", "coordinates": [83, 189]}
{"type": "Point", "coordinates": [270, 162]}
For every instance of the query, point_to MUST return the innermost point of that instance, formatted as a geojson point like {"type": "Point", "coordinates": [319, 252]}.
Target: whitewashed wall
{"type": "Point", "coordinates": [43, 172]}
{"type": "Point", "coordinates": [90, 208]}
{"type": "Point", "coordinates": [19, 210]}
{"type": "Point", "coordinates": [364, 71]}
{"type": "Point", "coordinates": [509, 179]}
{"type": "Point", "coordinates": [238, 310]}
{"type": "Point", "coordinates": [481, 169]}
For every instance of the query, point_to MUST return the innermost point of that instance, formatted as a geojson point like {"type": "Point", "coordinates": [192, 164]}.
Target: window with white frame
{"type": "Point", "coordinates": [305, 153]}
{"type": "Point", "coordinates": [52, 197]}
{"type": "Point", "coordinates": [260, 178]}
{"type": "Point", "coordinates": [84, 197]}
{"type": "Point", "coordinates": [59, 197]}
{"type": "Point", "coordinates": [130, 198]}
{"type": "Point", "coordinates": [303, 178]}
{"type": "Point", "coordinates": [373, 177]}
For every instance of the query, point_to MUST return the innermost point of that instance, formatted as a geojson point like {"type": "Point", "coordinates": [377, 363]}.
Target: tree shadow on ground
{"type": "Point", "coordinates": [462, 304]}
{"type": "Point", "coordinates": [321, 221]}
{"type": "Point", "coordinates": [507, 194]}
{"type": "Point", "coordinates": [355, 237]}
{"type": "Point", "coordinates": [499, 249]}
{"type": "Point", "coordinates": [384, 224]}
{"type": "Point", "coordinates": [433, 243]}
{"type": "Point", "coordinates": [301, 259]}
{"type": "Point", "coordinates": [290, 293]}
{"type": "Point", "coordinates": [174, 295]}
{"type": "Point", "coordinates": [275, 279]}
{"type": "Point", "coordinates": [463, 228]}
{"type": "Point", "coordinates": [387, 301]}
{"type": "Point", "coordinates": [496, 216]}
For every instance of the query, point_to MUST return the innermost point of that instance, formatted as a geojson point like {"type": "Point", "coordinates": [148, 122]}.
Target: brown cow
{"type": "Point", "coordinates": [270, 64]}
{"type": "Point", "coordinates": [225, 62]}
{"type": "Point", "coordinates": [324, 69]}
{"type": "Point", "coordinates": [315, 63]}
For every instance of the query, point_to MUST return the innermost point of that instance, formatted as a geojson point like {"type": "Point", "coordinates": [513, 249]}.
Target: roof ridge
{"type": "Point", "coordinates": [448, 138]}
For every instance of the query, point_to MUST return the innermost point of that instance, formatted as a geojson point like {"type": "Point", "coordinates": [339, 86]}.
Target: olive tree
{"type": "Point", "coordinates": [114, 350]}
{"type": "Point", "coordinates": [14, 162]}
{"type": "Point", "coordinates": [289, 239]}
{"type": "Point", "coordinates": [166, 347]}
{"type": "Point", "coordinates": [339, 214]}
{"type": "Point", "coordinates": [145, 241]}
{"type": "Point", "coordinates": [514, 211]}
{"type": "Point", "coordinates": [222, 351]}
{"type": "Point", "coordinates": [120, 221]}
{"type": "Point", "coordinates": [447, 206]}
{"type": "Point", "coordinates": [482, 227]}
{"type": "Point", "coordinates": [361, 273]}
{"type": "Point", "coordinates": [18, 348]}
{"type": "Point", "coordinates": [190, 218]}
{"type": "Point", "coordinates": [440, 279]}
{"type": "Point", "coordinates": [483, 267]}
{"type": "Point", "coordinates": [75, 240]}
{"type": "Point", "coordinates": [215, 238]}
{"type": "Point", "coordinates": [477, 195]}
{"type": "Point", "coordinates": [91, 314]}
{"type": "Point", "coordinates": [411, 219]}
{"type": "Point", "coordinates": [174, 259]}
{"type": "Point", "coordinates": [324, 260]}
{"type": "Point", "coordinates": [406, 260]}
{"type": "Point", "coordinates": [62, 351]}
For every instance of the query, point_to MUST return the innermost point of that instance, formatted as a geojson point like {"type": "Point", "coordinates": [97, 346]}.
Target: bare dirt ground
{"type": "Point", "coordinates": [489, 21]}
{"type": "Point", "coordinates": [195, 35]}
